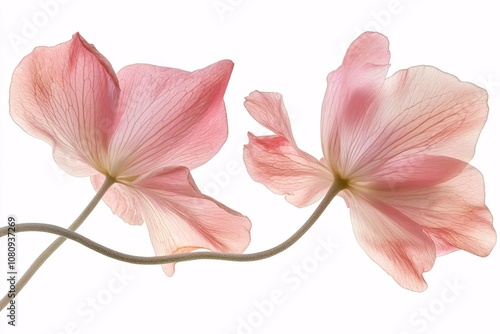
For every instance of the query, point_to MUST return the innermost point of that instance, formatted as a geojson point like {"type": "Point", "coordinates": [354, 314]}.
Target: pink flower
{"type": "Point", "coordinates": [401, 144]}
{"type": "Point", "coordinates": [146, 126]}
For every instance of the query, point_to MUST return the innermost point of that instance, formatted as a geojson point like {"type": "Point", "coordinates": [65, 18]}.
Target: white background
{"type": "Point", "coordinates": [284, 46]}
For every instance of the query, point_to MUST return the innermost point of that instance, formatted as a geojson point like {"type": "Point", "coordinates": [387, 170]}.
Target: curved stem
{"type": "Point", "coordinates": [58, 242]}
{"type": "Point", "coordinates": [332, 192]}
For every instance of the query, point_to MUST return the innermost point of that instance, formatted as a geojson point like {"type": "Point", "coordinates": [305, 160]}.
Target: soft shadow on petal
{"type": "Point", "coordinates": [452, 213]}
{"type": "Point", "coordinates": [171, 117]}
{"type": "Point", "coordinates": [286, 170]}
{"type": "Point", "coordinates": [181, 219]}
{"type": "Point", "coordinates": [66, 95]}
{"type": "Point", "coordinates": [121, 199]}
{"type": "Point", "coordinates": [423, 110]}
{"type": "Point", "coordinates": [351, 90]}
{"type": "Point", "coordinates": [392, 240]}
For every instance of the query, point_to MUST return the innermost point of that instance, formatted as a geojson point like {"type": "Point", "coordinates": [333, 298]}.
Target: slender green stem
{"type": "Point", "coordinates": [58, 242]}
{"type": "Point", "coordinates": [332, 192]}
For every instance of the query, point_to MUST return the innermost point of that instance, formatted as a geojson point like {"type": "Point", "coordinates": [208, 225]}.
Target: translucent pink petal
{"type": "Point", "coordinates": [403, 146]}
{"type": "Point", "coordinates": [122, 201]}
{"type": "Point", "coordinates": [421, 110]}
{"type": "Point", "coordinates": [276, 161]}
{"type": "Point", "coordinates": [413, 172]}
{"type": "Point", "coordinates": [393, 240]}
{"type": "Point", "coordinates": [181, 219]}
{"type": "Point", "coordinates": [66, 95]}
{"type": "Point", "coordinates": [452, 213]}
{"type": "Point", "coordinates": [171, 117]}
{"type": "Point", "coordinates": [351, 90]}
{"type": "Point", "coordinates": [284, 169]}
{"type": "Point", "coordinates": [269, 110]}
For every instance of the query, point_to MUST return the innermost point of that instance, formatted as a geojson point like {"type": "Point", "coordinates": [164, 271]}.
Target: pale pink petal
{"type": "Point", "coordinates": [452, 213]}
{"type": "Point", "coordinates": [286, 170]}
{"type": "Point", "coordinates": [421, 110]}
{"type": "Point", "coordinates": [181, 219]}
{"type": "Point", "coordinates": [393, 240]}
{"type": "Point", "coordinates": [351, 90]}
{"type": "Point", "coordinates": [412, 172]}
{"type": "Point", "coordinates": [123, 202]}
{"type": "Point", "coordinates": [276, 161]}
{"type": "Point", "coordinates": [269, 110]}
{"type": "Point", "coordinates": [66, 95]}
{"type": "Point", "coordinates": [170, 117]}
